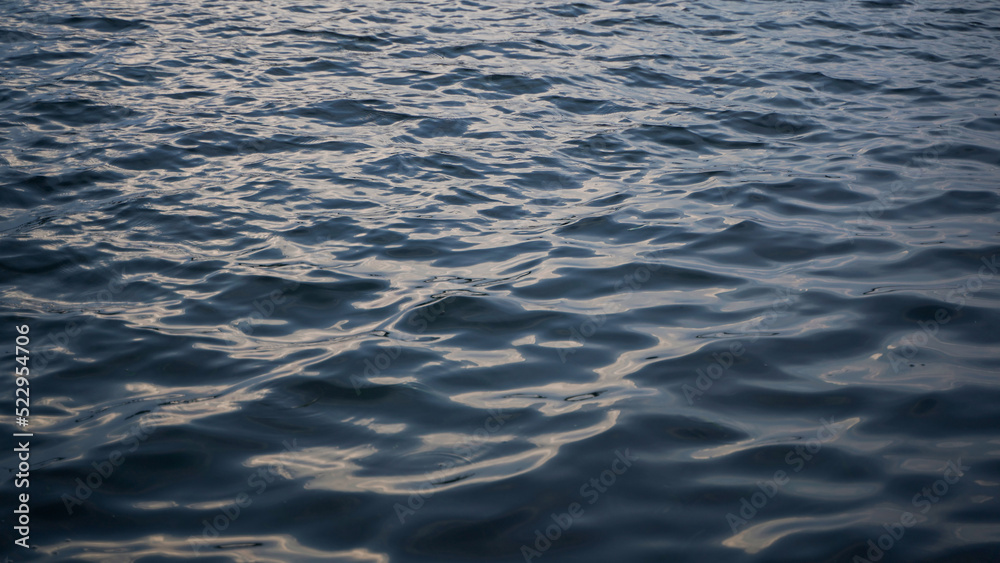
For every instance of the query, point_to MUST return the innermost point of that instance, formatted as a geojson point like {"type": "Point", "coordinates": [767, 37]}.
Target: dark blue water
{"type": "Point", "coordinates": [522, 281]}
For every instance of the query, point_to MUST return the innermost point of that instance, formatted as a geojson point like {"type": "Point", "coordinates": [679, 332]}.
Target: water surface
{"type": "Point", "coordinates": [427, 281]}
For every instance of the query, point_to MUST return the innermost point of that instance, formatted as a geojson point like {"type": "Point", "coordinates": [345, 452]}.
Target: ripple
{"type": "Point", "coordinates": [402, 281]}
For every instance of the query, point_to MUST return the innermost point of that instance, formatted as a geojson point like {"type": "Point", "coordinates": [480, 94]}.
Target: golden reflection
{"type": "Point", "coordinates": [343, 469]}
{"type": "Point", "coordinates": [263, 548]}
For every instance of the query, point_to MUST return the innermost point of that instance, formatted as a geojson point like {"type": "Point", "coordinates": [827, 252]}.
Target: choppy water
{"type": "Point", "coordinates": [400, 281]}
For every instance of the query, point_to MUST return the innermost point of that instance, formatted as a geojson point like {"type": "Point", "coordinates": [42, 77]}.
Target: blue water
{"type": "Point", "coordinates": [522, 281]}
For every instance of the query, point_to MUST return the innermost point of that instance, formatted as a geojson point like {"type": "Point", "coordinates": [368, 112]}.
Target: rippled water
{"type": "Point", "coordinates": [429, 281]}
